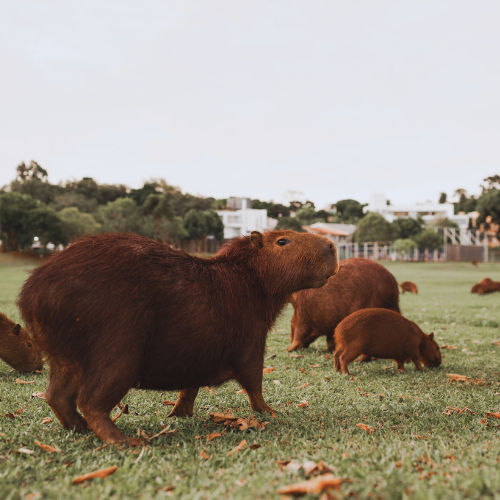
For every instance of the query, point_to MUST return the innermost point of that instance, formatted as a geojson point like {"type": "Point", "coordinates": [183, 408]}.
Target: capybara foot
{"type": "Point", "coordinates": [184, 406]}
{"type": "Point", "coordinates": [295, 345]}
{"type": "Point", "coordinates": [264, 409]}
{"type": "Point", "coordinates": [179, 411]}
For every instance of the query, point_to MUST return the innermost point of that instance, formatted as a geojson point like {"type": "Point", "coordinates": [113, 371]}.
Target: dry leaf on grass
{"type": "Point", "coordinates": [219, 418]}
{"type": "Point", "coordinates": [452, 409]}
{"type": "Point", "coordinates": [277, 382]}
{"type": "Point", "coordinates": [496, 342]}
{"type": "Point", "coordinates": [491, 414]}
{"type": "Point", "coordinates": [366, 428]}
{"type": "Point", "coordinates": [268, 370]}
{"type": "Point", "coordinates": [169, 403]}
{"type": "Point", "coordinates": [98, 473]}
{"type": "Point", "coordinates": [122, 411]}
{"type": "Point", "coordinates": [213, 436]}
{"type": "Point", "coordinates": [161, 433]}
{"type": "Point", "coordinates": [255, 446]}
{"type": "Point", "coordinates": [295, 355]}
{"type": "Point", "coordinates": [447, 347]}
{"type": "Point", "coordinates": [41, 395]}
{"type": "Point", "coordinates": [25, 450]}
{"type": "Point", "coordinates": [204, 455]}
{"type": "Point", "coordinates": [47, 447]}
{"type": "Point", "coordinates": [316, 485]}
{"type": "Point", "coordinates": [237, 449]}
{"type": "Point", "coordinates": [457, 378]}
{"type": "Point", "coordinates": [19, 381]}
{"type": "Point", "coordinates": [303, 386]}
{"type": "Point", "coordinates": [9, 415]}
{"type": "Point", "coordinates": [47, 420]}
{"type": "Point", "coordinates": [303, 404]}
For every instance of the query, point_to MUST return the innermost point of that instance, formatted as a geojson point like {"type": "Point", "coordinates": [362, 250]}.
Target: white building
{"type": "Point", "coordinates": [339, 233]}
{"type": "Point", "coordinates": [428, 211]}
{"type": "Point", "coordinates": [242, 222]}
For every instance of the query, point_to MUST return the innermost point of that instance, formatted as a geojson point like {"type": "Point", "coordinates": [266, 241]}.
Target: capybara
{"type": "Point", "coordinates": [408, 286]}
{"type": "Point", "coordinates": [483, 282]}
{"type": "Point", "coordinates": [490, 287]}
{"type": "Point", "coordinates": [116, 311]}
{"type": "Point", "coordinates": [17, 348]}
{"type": "Point", "coordinates": [474, 263]}
{"type": "Point", "coordinates": [383, 334]}
{"type": "Point", "coordinates": [360, 283]}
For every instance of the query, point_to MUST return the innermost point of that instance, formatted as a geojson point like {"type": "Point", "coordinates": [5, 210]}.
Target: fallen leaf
{"type": "Point", "coordinates": [41, 395]}
{"type": "Point", "coordinates": [295, 355]}
{"type": "Point", "coordinates": [268, 370]}
{"type": "Point", "coordinates": [98, 473]}
{"type": "Point", "coordinates": [25, 450]}
{"type": "Point", "coordinates": [34, 496]}
{"type": "Point", "coordinates": [293, 466]}
{"type": "Point", "coordinates": [164, 431]}
{"type": "Point", "coordinates": [240, 482]}
{"type": "Point", "coordinates": [169, 403]}
{"type": "Point", "coordinates": [255, 446]}
{"type": "Point", "coordinates": [315, 366]}
{"type": "Point", "coordinates": [303, 386]}
{"type": "Point", "coordinates": [316, 485]}
{"type": "Point", "coordinates": [47, 447]}
{"type": "Point", "coordinates": [122, 411]}
{"type": "Point", "coordinates": [270, 357]}
{"type": "Point", "coordinates": [303, 404]}
{"type": "Point", "coordinates": [457, 378]}
{"type": "Point", "coordinates": [21, 410]}
{"type": "Point", "coordinates": [47, 420]}
{"type": "Point", "coordinates": [345, 455]}
{"type": "Point", "coordinates": [222, 417]}
{"type": "Point", "coordinates": [366, 428]}
{"type": "Point", "coordinates": [213, 436]}
{"type": "Point", "coordinates": [204, 455]}
{"type": "Point", "coordinates": [491, 414]}
{"type": "Point", "coordinates": [496, 342]}
{"type": "Point", "coordinates": [238, 448]}
{"type": "Point", "coordinates": [452, 409]}
{"type": "Point", "coordinates": [277, 382]}
{"type": "Point", "coordinates": [9, 415]}
{"type": "Point", "coordinates": [483, 421]}
{"type": "Point", "coordinates": [19, 381]}
{"type": "Point", "coordinates": [447, 347]}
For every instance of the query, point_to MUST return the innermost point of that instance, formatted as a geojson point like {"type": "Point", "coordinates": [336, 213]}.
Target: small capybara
{"type": "Point", "coordinates": [474, 263]}
{"type": "Point", "coordinates": [483, 282]}
{"type": "Point", "coordinates": [490, 287]}
{"type": "Point", "coordinates": [383, 334]}
{"type": "Point", "coordinates": [408, 286]}
{"type": "Point", "coordinates": [17, 348]}
{"type": "Point", "coordinates": [359, 284]}
{"type": "Point", "coordinates": [117, 311]}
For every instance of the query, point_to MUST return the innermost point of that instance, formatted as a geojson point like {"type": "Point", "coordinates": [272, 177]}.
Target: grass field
{"type": "Point", "coordinates": [415, 451]}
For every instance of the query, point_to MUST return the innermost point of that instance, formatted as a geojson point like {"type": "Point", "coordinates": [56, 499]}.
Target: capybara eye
{"type": "Point", "coordinates": [28, 344]}
{"type": "Point", "coordinates": [282, 242]}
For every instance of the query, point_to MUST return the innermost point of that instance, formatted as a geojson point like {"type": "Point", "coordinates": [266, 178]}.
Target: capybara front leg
{"type": "Point", "coordinates": [103, 427]}
{"type": "Point", "coordinates": [61, 397]}
{"type": "Point", "coordinates": [330, 342]}
{"type": "Point", "coordinates": [401, 364]}
{"type": "Point", "coordinates": [345, 359]}
{"type": "Point", "coordinates": [252, 383]}
{"type": "Point", "coordinates": [184, 407]}
{"type": "Point", "coordinates": [417, 364]}
{"type": "Point", "coordinates": [336, 360]}
{"type": "Point", "coordinates": [365, 359]}
{"type": "Point", "coordinates": [296, 344]}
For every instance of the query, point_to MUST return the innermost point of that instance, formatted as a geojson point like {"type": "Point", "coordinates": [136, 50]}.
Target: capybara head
{"type": "Point", "coordinates": [290, 261]}
{"type": "Point", "coordinates": [430, 355]}
{"type": "Point", "coordinates": [17, 348]}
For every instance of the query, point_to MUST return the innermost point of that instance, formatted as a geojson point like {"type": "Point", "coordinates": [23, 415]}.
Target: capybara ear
{"type": "Point", "coordinates": [431, 336]}
{"type": "Point", "coordinates": [257, 239]}
{"type": "Point", "coordinates": [16, 329]}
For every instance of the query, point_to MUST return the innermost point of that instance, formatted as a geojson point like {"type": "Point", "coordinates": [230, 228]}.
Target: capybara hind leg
{"type": "Point", "coordinates": [336, 360]}
{"type": "Point", "coordinates": [365, 359]}
{"type": "Point", "coordinates": [345, 359]}
{"type": "Point", "coordinates": [417, 364]}
{"type": "Point", "coordinates": [252, 383]}
{"type": "Point", "coordinates": [401, 364]}
{"type": "Point", "coordinates": [61, 397]}
{"type": "Point", "coordinates": [184, 407]}
{"type": "Point", "coordinates": [330, 343]}
{"type": "Point", "coordinates": [296, 344]}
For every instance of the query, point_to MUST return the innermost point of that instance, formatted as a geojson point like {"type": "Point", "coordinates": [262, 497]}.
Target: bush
{"type": "Point", "coordinates": [373, 227]}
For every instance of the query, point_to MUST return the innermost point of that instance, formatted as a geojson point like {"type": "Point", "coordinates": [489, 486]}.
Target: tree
{"type": "Point", "coordinates": [404, 246]}
{"type": "Point", "coordinates": [488, 206]}
{"type": "Point", "coordinates": [349, 211]}
{"type": "Point", "coordinates": [31, 171]}
{"type": "Point", "coordinates": [78, 223]}
{"type": "Point", "coordinates": [32, 180]}
{"type": "Point", "coordinates": [373, 228]}
{"type": "Point", "coordinates": [274, 210]}
{"type": "Point", "coordinates": [202, 223]}
{"type": "Point", "coordinates": [442, 198]}
{"type": "Point", "coordinates": [428, 239]}
{"type": "Point", "coordinates": [140, 195]}
{"type": "Point", "coordinates": [121, 215]}
{"type": "Point", "coordinates": [289, 223]}
{"type": "Point", "coordinates": [493, 182]}
{"type": "Point", "coordinates": [407, 227]}
{"type": "Point", "coordinates": [159, 208]}
{"type": "Point", "coordinates": [22, 218]}
{"type": "Point", "coordinates": [173, 231]}
{"type": "Point", "coordinates": [73, 199]}
{"type": "Point", "coordinates": [445, 222]}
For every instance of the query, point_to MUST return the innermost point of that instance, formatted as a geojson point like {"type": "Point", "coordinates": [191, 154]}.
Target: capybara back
{"type": "Point", "coordinates": [408, 286]}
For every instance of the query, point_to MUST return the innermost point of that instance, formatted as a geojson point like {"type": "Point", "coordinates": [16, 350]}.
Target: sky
{"type": "Point", "coordinates": [275, 99]}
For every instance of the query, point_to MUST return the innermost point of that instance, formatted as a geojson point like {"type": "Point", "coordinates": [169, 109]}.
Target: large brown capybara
{"type": "Point", "coordinates": [408, 286]}
{"type": "Point", "coordinates": [17, 348]}
{"type": "Point", "coordinates": [383, 334]}
{"type": "Point", "coordinates": [116, 311]}
{"type": "Point", "coordinates": [490, 287]}
{"type": "Point", "coordinates": [359, 284]}
{"type": "Point", "coordinates": [483, 282]}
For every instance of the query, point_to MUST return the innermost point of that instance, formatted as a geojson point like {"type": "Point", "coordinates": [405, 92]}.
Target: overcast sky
{"type": "Point", "coordinates": [331, 99]}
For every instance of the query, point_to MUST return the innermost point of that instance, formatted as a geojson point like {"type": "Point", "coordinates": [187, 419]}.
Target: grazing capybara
{"type": "Point", "coordinates": [408, 286]}
{"type": "Point", "coordinates": [360, 283]}
{"type": "Point", "coordinates": [17, 348]}
{"type": "Point", "coordinates": [116, 311]}
{"type": "Point", "coordinates": [383, 334]}
{"type": "Point", "coordinates": [483, 282]}
{"type": "Point", "coordinates": [490, 287]}
{"type": "Point", "coordinates": [474, 263]}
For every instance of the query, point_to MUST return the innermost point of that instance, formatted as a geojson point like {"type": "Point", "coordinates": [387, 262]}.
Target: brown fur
{"type": "Point", "coordinates": [17, 348]}
{"type": "Point", "coordinates": [383, 334]}
{"type": "Point", "coordinates": [490, 287]}
{"type": "Point", "coordinates": [482, 283]}
{"type": "Point", "coordinates": [474, 263]}
{"type": "Point", "coordinates": [116, 311]}
{"type": "Point", "coordinates": [359, 284]}
{"type": "Point", "coordinates": [408, 286]}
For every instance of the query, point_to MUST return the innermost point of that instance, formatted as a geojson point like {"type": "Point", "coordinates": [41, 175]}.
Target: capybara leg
{"type": "Point", "coordinates": [336, 360]}
{"type": "Point", "coordinates": [401, 364]}
{"type": "Point", "coordinates": [365, 359]}
{"type": "Point", "coordinates": [103, 427]}
{"type": "Point", "coordinates": [61, 397]}
{"type": "Point", "coordinates": [330, 342]}
{"type": "Point", "coordinates": [346, 358]}
{"type": "Point", "coordinates": [417, 364]}
{"type": "Point", "coordinates": [252, 383]}
{"type": "Point", "coordinates": [296, 344]}
{"type": "Point", "coordinates": [184, 407]}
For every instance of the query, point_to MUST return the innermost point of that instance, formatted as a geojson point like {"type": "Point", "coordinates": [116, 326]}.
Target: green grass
{"type": "Point", "coordinates": [416, 451]}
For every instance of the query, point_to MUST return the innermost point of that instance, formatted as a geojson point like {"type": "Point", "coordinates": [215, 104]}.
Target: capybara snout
{"type": "Point", "coordinates": [430, 354]}
{"type": "Point", "coordinates": [17, 348]}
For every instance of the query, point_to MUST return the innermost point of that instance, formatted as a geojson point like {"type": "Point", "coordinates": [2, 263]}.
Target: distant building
{"type": "Point", "coordinates": [429, 212]}
{"type": "Point", "coordinates": [234, 203]}
{"type": "Point", "coordinates": [242, 221]}
{"type": "Point", "coordinates": [339, 233]}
